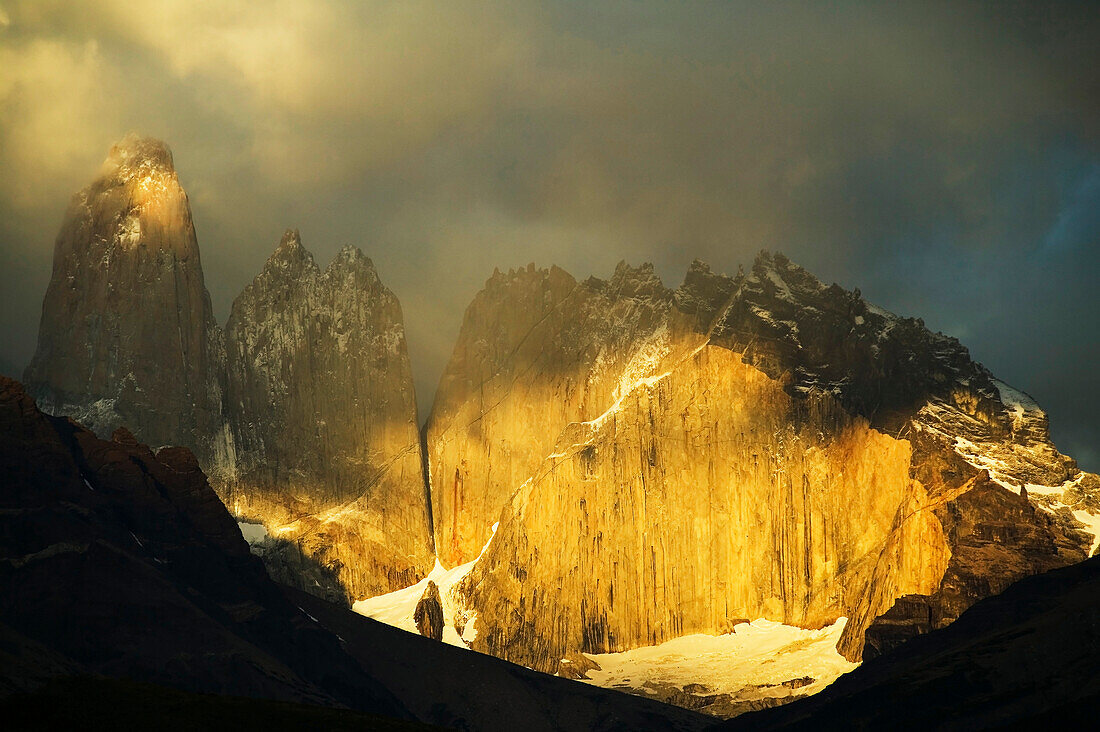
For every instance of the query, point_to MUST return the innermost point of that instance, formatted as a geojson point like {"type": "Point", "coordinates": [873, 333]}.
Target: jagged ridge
{"type": "Point", "coordinates": [770, 385]}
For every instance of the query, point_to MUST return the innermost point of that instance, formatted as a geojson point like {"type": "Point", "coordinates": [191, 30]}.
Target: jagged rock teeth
{"type": "Point", "coordinates": [323, 416]}
{"type": "Point", "coordinates": [320, 434]}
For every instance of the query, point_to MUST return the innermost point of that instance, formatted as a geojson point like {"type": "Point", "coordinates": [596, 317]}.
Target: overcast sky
{"type": "Point", "coordinates": [943, 157]}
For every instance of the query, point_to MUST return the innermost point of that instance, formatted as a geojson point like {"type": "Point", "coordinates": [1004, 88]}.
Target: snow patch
{"type": "Point", "coordinates": [1003, 466]}
{"type": "Point", "coordinates": [396, 608]}
{"type": "Point", "coordinates": [129, 230]}
{"type": "Point", "coordinates": [648, 382]}
{"type": "Point", "coordinates": [252, 533]}
{"type": "Point", "coordinates": [1015, 399]}
{"type": "Point", "coordinates": [1092, 525]}
{"type": "Point", "coordinates": [752, 662]}
{"type": "Point", "coordinates": [644, 361]}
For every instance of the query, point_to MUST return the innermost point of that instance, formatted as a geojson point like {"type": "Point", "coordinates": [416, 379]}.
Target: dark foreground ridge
{"type": "Point", "coordinates": [100, 703]}
{"type": "Point", "coordinates": [1026, 658]}
{"type": "Point", "coordinates": [119, 566]}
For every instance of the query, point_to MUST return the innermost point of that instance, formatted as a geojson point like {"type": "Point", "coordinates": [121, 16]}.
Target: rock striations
{"type": "Point", "coordinates": [321, 407]}
{"type": "Point", "coordinates": [127, 335]}
{"type": "Point", "coordinates": [537, 351]}
{"type": "Point", "coordinates": [750, 446]}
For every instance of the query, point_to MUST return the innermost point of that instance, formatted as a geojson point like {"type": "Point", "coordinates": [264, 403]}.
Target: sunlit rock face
{"type": "Point", "coordinates": [537, 351]}
{"type": "Point", "coordinates": [751, 446]}
{"type": "Point", "coordinates": [322, 411]}
{"type": "Point", "coordinates": [127, 335]}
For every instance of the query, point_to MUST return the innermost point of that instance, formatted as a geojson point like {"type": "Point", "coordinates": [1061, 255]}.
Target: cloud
{"type": "Point", "coordinates": [922, 152]}
{"type": "Point", "coordinates": [46, 89]}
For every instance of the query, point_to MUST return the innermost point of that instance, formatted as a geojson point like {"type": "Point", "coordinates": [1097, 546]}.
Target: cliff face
{"type": "Point", "coordinates": [537, 351]}
{"type": "Point", "coordinates": [763, 446]}
{"type": "Point", "coordinates": [127, 335]}
{"type": "Point", "coordinates": [323, 415]}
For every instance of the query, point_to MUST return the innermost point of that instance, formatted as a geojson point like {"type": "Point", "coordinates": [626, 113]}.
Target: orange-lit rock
{"type": "Point", "coordinates": [759, 446]}
{"type": "Point", "coordinates": [537, 351]}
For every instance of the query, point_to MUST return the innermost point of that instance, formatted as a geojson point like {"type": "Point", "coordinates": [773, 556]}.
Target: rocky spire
{"type": "Point", "coordinates": [127, 335]}
{"type": "Point", "coordinates": [323, 413]}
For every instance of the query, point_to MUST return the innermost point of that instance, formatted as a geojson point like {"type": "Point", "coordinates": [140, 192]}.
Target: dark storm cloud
{"type": "Point", "coordinates": [942, 157]}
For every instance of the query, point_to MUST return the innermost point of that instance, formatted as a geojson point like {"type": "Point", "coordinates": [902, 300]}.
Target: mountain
{"type": "Point", "coordinates": [307, 423]}
{"type": "Point", "coordinates": [667, 462]}
{"type": "Point", "coordinates": [608, 465]}
{"type": "Point", "coordinates": [127, 593]}
{"type": "Point", "coordinates": [127, 333]}
{"type": "Point", "coordinates": [1023, 659]}
{"type": "Point", "coordinates": [321, 407]}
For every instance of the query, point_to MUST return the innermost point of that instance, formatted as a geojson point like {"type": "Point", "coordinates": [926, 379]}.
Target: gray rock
{"type": "Point", "coordinates": [128, 336]}
{"type": "Point", "coordinates": [428, 615]}
{"type": "Point", "coordinates": [322, 411]}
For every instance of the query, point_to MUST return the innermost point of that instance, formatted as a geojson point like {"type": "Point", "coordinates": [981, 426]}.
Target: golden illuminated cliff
{"type": "Point", "coordinates": [759, 446]}
{"type": "Point", "coordinates": [534, 355]}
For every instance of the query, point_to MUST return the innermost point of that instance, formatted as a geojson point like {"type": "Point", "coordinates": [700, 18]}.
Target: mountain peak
{"type": "Point", "coordinates": [640, 281]}
{"type": "Point", "coordinates": [698, 266]}
{"type": "Point", "coordinates": [290, 255]}
{"type": "Point", "coordinates": [138, 153]}
{"type": "Point", "coordinates": [291, 239]}
{"type": "Point", "coordinates": [353, 256]}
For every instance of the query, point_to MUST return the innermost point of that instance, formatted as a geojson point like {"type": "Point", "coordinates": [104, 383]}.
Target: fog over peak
{"type": "Point", "coordinates": [943, 157]}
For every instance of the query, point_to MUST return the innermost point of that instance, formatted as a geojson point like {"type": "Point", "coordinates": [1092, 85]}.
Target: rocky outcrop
{"type": "Point", "coordinates": [759, 445]}
{"type": "Point", "coordinates": [127, 335]}
{"type": "Point", "coordinates": [428, 615]}
{"type": "Point", "coordinates": [119, 561]}
{"type": "Point", "coordinates": [321, 408]}
{"type": "Point", "coordinates": [308, 423]}
{"type": "Point", "coordinates": [996, 537]}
